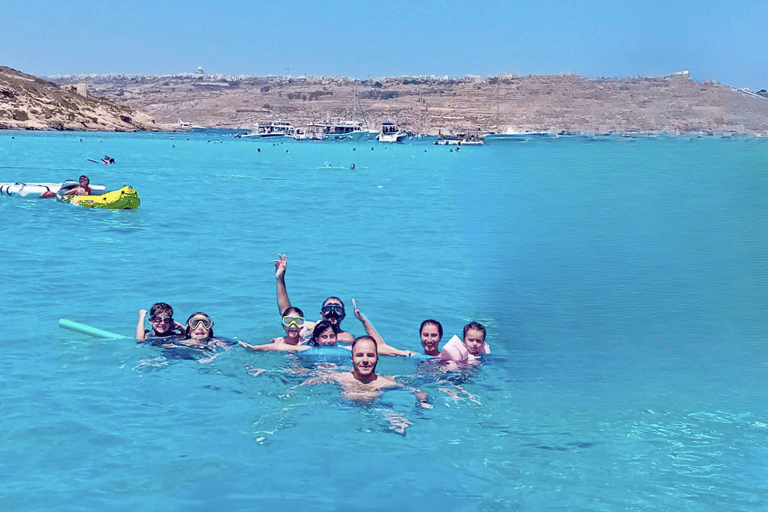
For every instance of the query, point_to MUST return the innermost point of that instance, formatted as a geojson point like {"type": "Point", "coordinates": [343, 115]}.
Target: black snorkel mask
{"type": "Point", "coordinates": [333, 312]}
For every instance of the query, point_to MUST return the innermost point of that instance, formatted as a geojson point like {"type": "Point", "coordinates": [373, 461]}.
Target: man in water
{"type": "Point", "coordinates": [82, 189]}
{"type": "Point", "coordinates": [332, 309]}
{"type": "Point", "coordinates": [363, 384]}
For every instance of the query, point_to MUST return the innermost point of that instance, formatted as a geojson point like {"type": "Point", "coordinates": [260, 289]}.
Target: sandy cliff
{"type": "Point", "coordinates": [473, 105]}
{"type": "Point", "coordinates": [570, 103]}
{"type": "Point", "coordinates": [27, 102]}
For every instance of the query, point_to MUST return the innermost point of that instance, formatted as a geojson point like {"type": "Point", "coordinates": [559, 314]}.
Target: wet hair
{"type": "Point", "coordinates": [364, 338]}
{"type": "Point", "coordinates": [188, 331]}
{"type": "Point", "coordinates": [293, 310]}
{"type": "Point", "coordinates": [476, 326]}
{"type": "Point", "coordinates": [432, 322]}
{"type": "Point", "coordinates": [160, 307]}
{"type": "Point", "coordinates": [84, 176]}
{"type": "Point", "coordinates": [320, 328]}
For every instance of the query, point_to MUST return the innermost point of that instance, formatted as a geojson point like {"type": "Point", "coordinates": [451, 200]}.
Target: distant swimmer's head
{"type": "Point", "coordinates": [333, 310]}
{"type": "Point", "coordinates": [199, 326]}
{"type": "Point", "coordinates": [161, 317]}
{"type": "Point", "coordinates": [293, 321]}
{"type": "Point", "coordinates": [84, 181]}
{"type": "Point", "coordinates": [365, 356]}
{"type": "Point", "coordinates": [325, 334]}
{"type": "Point", "coordinates": [474, 338]}
{"type": "Point", "coordinates": [431, 333]}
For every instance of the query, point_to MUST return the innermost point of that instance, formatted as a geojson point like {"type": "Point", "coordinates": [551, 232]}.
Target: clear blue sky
{"type": "Point", "coordinates": [724, 40]}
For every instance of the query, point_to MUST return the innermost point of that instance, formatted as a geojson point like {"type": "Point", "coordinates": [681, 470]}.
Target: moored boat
{"type": "Point", "coordinates": [339, 131]}
{"type": "Point", "coordinates": [269, 130]}
{"type": "Point", "coordinates": [390, 132]}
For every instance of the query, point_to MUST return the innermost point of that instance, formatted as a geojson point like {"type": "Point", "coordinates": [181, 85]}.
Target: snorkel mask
{"type": "Point", "coordinates": [333, 312]}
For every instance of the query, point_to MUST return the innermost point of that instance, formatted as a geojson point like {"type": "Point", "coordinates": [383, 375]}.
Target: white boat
{"type": "Point", "coordinates": [390, 132]}
{"type": "Point", "coordinates": [512, 136]}
{"type": "Point", "coordinates": [269, 130]}
{"type": "Point", "coordinates": [35, 190]}
{"type": "Point", "coordinates": [342, 130]}
{"type": "Point", "coordinates": [461, 139]}
{"type": "Point", "coordinates": [459, 142]}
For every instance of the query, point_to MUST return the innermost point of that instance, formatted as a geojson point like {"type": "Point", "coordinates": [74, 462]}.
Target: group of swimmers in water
{"type": "Point", "coordinates": [302, 335]}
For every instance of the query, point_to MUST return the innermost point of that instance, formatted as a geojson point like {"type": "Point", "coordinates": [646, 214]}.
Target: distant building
{"type": "Point", "coordinates": [81, 89]}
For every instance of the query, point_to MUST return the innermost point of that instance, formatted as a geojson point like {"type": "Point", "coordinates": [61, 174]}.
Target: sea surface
{"type": "Point", "coordinates": [623, 283]}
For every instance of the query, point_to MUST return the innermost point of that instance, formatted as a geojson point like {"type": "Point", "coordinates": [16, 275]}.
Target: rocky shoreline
{"type": "Point", "coordinates": [31, 103]}
{"type": "Point", "coordinates": [566, 103]}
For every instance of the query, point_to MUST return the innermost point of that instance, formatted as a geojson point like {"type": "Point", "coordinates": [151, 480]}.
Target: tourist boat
{"type": "Point", "coordinates": [512, 136]}
{"type": "Point", "coordinates": [390, 132]}
{"type": "Point", "coordinates": [461, 139]}
{"type": "Point", "coordinates": [191, 127]}
{"type": "Point", "coordinates": [35, 190]}
{"type": "Point", "coordinates": [269, 130]}
{"type": "Point", "coordinates": [339, 131]}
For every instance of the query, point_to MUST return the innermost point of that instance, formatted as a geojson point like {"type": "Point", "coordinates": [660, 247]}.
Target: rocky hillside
{"type": "Point", "coordinates": [673, 103]}
{"type": "Point", "coordinates": [27, 102]}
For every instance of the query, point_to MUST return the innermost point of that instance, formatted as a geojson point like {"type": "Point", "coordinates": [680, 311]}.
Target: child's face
{"type": "Point", "coordinates": [474, 341]}
{"type": "Point", "coordinates": [161, 322]}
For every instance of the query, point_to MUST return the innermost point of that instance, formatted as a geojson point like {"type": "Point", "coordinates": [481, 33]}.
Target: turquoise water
{"type": "Point", "coordinates": [623, 284]}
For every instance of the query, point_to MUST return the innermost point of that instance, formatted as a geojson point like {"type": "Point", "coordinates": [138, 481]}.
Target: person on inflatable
{"type": "Point", "coordinates": [70, 189]}
{"type": "Point", "coordinates": [363, 384]}
{"type": "Point", "coordinates": [332, 309]}
{"type": "Point", "coordinates": [293, 320]}
{"type": "Point", "coordinates": [82, 189]}
{"type": "Point", "coordinates": [161, 320]}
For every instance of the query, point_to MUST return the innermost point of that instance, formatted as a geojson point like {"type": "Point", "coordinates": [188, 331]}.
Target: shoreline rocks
{"type": "Point", "coordinates": [31, 103]}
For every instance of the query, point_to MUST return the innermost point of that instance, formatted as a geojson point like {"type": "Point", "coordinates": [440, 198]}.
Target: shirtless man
{"type": "Point", "coordinates": [363, 384]}
{"type": "Point", "coordinates": [82, 189]}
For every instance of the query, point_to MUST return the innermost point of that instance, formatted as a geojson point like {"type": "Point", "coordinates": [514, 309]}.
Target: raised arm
{"type": "Point", "coordinates": [140, 335]}
{"type": "Point", "coordinates": [382, 346]}
{"type": "Point", "coordinates": [283, 302]}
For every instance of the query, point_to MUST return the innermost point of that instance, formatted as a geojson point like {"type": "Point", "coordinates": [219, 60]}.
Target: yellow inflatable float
{"type": "Point", "coordinates": [124, 199]}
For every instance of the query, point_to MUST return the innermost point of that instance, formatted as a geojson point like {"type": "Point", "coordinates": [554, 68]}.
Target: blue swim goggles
{"type": "Point", "coordinates": [295, 321]}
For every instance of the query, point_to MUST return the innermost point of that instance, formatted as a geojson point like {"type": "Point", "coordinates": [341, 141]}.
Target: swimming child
{"type": "Point", "coordinates": [470, 349]}
{"type": "Point", "coordinates": [325, 334]}
{"type": "Point", "coordinates": [293, 320]}
{"type": "Point", "coordinates": [161, 320]}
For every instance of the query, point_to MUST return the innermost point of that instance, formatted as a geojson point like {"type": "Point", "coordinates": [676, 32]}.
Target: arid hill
{"type": "Point", "coordinates": [562, 103]}
{"type": "Point", "coordinates": [472, 105]}
{"type": "Point", "coordinates": [27, 102]}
